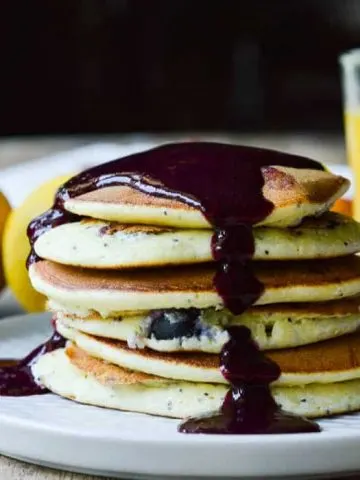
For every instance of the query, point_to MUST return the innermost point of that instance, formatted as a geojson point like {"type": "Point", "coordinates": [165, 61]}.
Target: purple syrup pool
{"type": "Point", "coordinates": [16, 379]}
{"type": "Point", "coordinates": [225, 183]}
{"type": "Point", "coordinates": [249, 407]}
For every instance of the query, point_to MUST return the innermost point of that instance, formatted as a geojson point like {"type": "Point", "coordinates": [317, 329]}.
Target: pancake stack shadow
{"type": "Point", "coordinates": [131, 287]}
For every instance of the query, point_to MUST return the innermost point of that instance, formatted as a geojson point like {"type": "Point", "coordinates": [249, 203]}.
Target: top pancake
{"type": "Point", "coordinates": [109, 292]}
{"type": "Point", "coordinates": [99, 244]}
{"type": "Point", "coordinates": [295, 194]}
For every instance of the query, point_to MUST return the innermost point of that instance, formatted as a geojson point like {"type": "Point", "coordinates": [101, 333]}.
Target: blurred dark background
{"type": "Point", "coordinates": [70, 66]}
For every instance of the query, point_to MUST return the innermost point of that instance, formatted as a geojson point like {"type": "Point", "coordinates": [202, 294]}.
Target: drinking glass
{"type": "Point", "coordinates": [350, 70]}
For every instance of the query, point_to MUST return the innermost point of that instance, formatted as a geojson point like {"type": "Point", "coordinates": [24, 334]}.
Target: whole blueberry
{"type": "Point", "coordinates": [173, 323]}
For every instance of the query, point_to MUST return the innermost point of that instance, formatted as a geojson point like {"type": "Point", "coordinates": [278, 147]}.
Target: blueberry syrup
{"type": "Point", "coordinates": [52, 218]}
{"type": "Point", "coordinates": [16, 379]}
{"type": "Point", "coordinates": [225, 183]}
{"type": "Point", "coordinates": [249, 407]}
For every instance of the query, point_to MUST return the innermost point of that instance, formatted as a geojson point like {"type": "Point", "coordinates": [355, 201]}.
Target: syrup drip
{"type": "Point", "coordinates": [16, 379]}
{"type": "Point", "coordinates": [249, 407]}
{"type": "Point", "coordinates": [225, 182]}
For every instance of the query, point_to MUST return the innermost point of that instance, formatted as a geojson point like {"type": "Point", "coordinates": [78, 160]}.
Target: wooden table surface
{"type": "Point", "coordinates": [14, 470]}
{"type": "Point", "coordinates": [16, 150]}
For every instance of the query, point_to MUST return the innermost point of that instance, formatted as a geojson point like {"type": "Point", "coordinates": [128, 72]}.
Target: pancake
{"type": "Point", "coordinates": [296, 311]}
{"type": "Point", "coordinates": [98, 244]}
{"type": "Point", "coordinates": [93, 382]}
{"type": "Point", "coordinates": [272, 326]}
{"type": "Point", "coordinates": [295, 193]}
{"type": "Point", "coordinates": [330, 361]}
{"type": "Point", "coordinates": [109, 292]}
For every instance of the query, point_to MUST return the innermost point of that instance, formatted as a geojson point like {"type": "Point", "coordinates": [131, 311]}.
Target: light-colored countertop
{"type": "Point", "coordinates": [14, 150]}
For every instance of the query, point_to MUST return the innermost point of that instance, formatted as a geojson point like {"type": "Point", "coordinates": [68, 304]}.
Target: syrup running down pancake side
{"type": "Point", "coordinates": [249, 406]}
{"type": "Point", "coordinates": [16, 379]}
{"type": "Point", "coordinates": [225, 182]}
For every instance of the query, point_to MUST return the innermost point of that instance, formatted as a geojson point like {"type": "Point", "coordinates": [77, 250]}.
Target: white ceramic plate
{"type": "Point", "coordinates": [52, 431]}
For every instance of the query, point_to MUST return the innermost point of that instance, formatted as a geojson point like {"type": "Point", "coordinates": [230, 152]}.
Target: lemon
{"type": "Point", "coordinates": [16, 244]}
{"type": "Point", "coordinates": [4, 212]}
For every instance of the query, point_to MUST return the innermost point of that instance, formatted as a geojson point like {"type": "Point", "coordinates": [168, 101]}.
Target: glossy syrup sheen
{"type": "Point", "coordinates": [16, 379]}
{"type": "Point", "coordinates": [225, 182]}
{"type": "Point", "coordinates": [249, 407]}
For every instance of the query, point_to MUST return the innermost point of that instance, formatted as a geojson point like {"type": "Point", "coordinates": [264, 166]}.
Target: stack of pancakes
{"type": "Point", "coordinates": [131, 287]}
